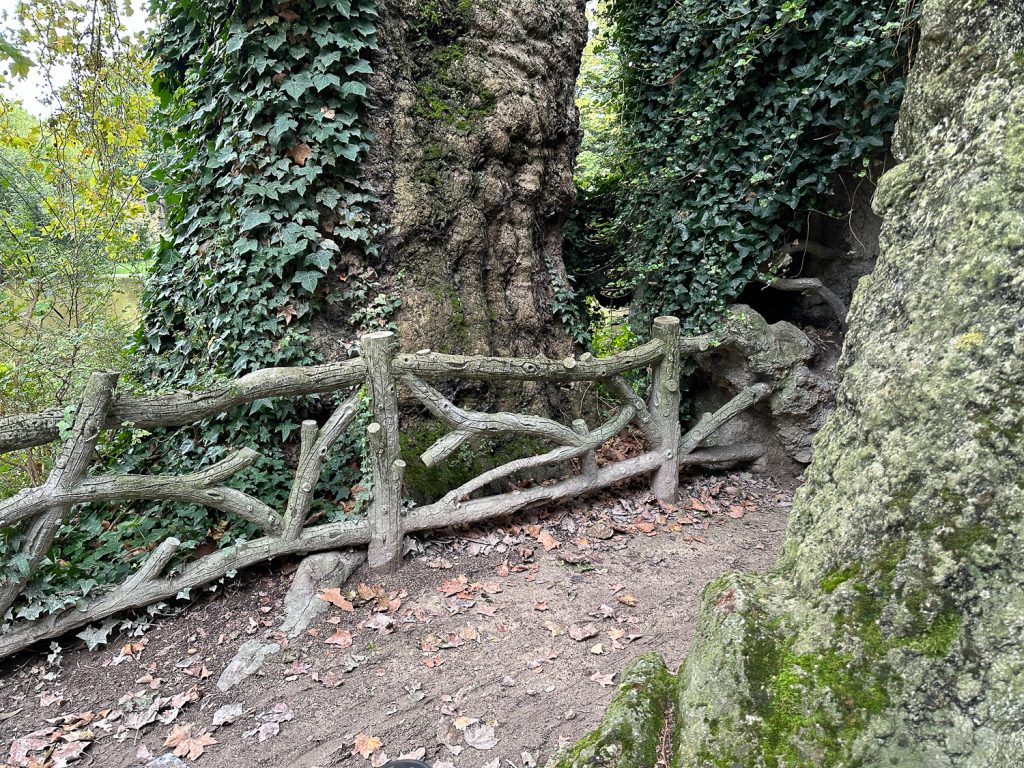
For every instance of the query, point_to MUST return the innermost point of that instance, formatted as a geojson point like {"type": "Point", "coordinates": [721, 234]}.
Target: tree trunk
{"type": "Point", "coordinates": [889, 632]}
{"type": "Point", "coordinates": [476, 133]}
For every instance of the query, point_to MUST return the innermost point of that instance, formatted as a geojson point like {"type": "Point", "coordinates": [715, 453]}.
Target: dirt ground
{"type": "Point", "coordinates": [498, 643]}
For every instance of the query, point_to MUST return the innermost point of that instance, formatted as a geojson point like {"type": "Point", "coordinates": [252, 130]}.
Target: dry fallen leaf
{"type": "Point", "coordinates": [579, 634]}
{"type": "Point", "coordinates": [341, 638]}
{"type": "Point", "coordinates": [335, 598]}
{"type": "Point", "coordinates": [627, 600]}
{"type": "Point", "coordinates": [480, 736]}
{"type": "Point", "coordinates": [603, 680]}
{"type": "Point", "coordinates": [187, 745]}
{"type": "Point", "coordinates": [300, 153]}
{"type": "Point", "coordinates": [463, 722]}
{"type": "Point", "coordinates": [547, 541]}
{"type": "Point", "coordinates": [366, 745]}
{"type": "Point", "coordinates": [227, 714]}
{"type": "Point", "coordinates": [597, 649]}
{"type": "Point", "coordinates": [554, 628]}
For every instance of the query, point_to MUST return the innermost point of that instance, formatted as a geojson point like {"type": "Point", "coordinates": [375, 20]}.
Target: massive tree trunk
{"type": "Point", "coordinates": [889, 632]}
{"type": "Point", "coordinates": [476, 133]}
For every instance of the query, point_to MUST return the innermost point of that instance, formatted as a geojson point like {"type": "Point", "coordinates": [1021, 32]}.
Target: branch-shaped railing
{"type": "Point", "coordinates": [39, 512]}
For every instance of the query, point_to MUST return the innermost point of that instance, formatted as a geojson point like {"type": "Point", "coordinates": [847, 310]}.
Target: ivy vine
{"type": "Point", "coordinates": [736, 118]}
{"type": "Point", "coordinates": [260, 135]}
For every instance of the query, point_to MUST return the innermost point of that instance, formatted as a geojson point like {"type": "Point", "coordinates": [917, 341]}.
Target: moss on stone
{"type": "Point", "coordinates": [635, 725]}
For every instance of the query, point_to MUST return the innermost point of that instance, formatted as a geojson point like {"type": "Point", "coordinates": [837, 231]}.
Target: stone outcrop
{"type": "Point", "coordinates": [802, 376]}
{"type": "Point", "coordinates": [889, 633]}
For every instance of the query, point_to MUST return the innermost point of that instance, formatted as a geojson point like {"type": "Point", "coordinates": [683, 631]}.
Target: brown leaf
{"type": "Point", "coordinates": [554, 628]}
{"type": "Point", "coordinates": [366, 745]}
{"type": "Point", "coordinates": [579, 634]}
{"type": "Point", "coordinates": [627, 599]}
{"type": "Point", "coordinates": [540, 605]}
{"type": "Point", "coordinates": [187, 745]}
{"type": "Point", "coordinates": [341, 638]}
{"type": "Point", "coordinates": [300, 153]}
{"type": "Point", "coordinates": [451, 587]}
{"type": "Point", "coordinates": [547, 541]}
{"type": "Point", "coordinates": [485, 609]}
{"type": "Point", "coordinates": [736, 511]}
{"type": "Point", "coordinates": [603, 680]}
{"type": "Point", "coordinates": [335, 598]}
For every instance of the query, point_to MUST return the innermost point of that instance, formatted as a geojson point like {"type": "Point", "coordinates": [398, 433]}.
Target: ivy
{"type": "Point", "coordinates": [736, 118]}
{"type": "Point", "coordinates": [261, 126]}
{"type": "Point", "coordinates": [259, 137]}
{"type": "Point", "coordinates": [260, 118]}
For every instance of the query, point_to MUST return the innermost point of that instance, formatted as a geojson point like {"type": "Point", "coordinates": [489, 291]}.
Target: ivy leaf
{"type": "Point", "coordinates": [361, 67]}
{"type": "Point", "coordinates": [254, 219]}
{"type": "Point", "coordinates": [353, 88]}
{"type": "Point", "coordinates": [94, 637]}
{"type": "Point", "coordinates": [307, 279]}
{"type": "Point", "coordinates": [325, 79]}
{"type": "Point", "coordinates": [296, 85]}
{"type": "Point", "coordinates": [283, 123]}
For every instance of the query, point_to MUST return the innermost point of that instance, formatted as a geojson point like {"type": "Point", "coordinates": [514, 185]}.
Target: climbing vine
{"type": "Point", "coordinates": [736, 118]}
{"type": "Point", "coordinates": [259, 137]}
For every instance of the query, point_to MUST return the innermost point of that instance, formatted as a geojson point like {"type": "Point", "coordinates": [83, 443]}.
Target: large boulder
{"type": "Point", "coordinates": [889, 633]}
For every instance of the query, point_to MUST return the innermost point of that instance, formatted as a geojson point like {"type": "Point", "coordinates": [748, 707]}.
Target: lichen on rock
{"type": "Point", "coordinates": [889, 632]}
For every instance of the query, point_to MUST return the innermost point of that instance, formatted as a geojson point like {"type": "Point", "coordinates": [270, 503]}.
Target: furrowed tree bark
{"type": "Point", "coordinates": [476, 137]}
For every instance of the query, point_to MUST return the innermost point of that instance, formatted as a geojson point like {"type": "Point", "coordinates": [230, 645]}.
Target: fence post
{"type": "Point", "coordinates": [664, 407]}
{"type": "Point", "coordinates": [385, 513]}
{"type": "Point", "coordinates": [588, 461]}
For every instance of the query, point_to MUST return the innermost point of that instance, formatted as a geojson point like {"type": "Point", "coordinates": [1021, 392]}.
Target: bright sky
{"type": "Point", "coordinates": [33, 90]}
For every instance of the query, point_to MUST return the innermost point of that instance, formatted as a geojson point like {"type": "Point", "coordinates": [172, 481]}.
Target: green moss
{"type": "Point", "coordinates": [830, 582]}
{"type": "Point", "coordinates": [427, 484]}
{"type": "Point", "coordinates": [937, 641]}
{"type": "Point", "coordinates": [630, 734]}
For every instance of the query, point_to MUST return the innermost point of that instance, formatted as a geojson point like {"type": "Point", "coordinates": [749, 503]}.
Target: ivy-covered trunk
{"type": "Point", "coordinates": [889, 634]}
{"type": "Point", "coordinates": [475, 134]}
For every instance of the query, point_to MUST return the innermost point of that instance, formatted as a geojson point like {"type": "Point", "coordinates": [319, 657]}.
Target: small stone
{"type": "Point", "coordinates": [167, 761]}
{"type": "Point", "coordinates": [247, 662]}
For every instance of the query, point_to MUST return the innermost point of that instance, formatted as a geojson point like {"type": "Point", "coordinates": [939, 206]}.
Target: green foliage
{"type": "Point", "coordinates": [74, 229]}
{"type": "Point", "coordinates": [74, 225]}
{"type": "Point", "coordinates": [260, 139]}
{"type": "Point", "coordinates": [261, 135]}
{"type": "Point", "coordinates": [735, 119]}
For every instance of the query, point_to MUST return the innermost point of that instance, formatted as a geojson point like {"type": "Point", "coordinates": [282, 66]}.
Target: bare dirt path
{"type": "Point", "coordinates": [497, 643]}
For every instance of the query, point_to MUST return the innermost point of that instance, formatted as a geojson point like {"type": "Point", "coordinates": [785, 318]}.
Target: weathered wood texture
{"type": "Point", "coordinates": [381, 369]}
